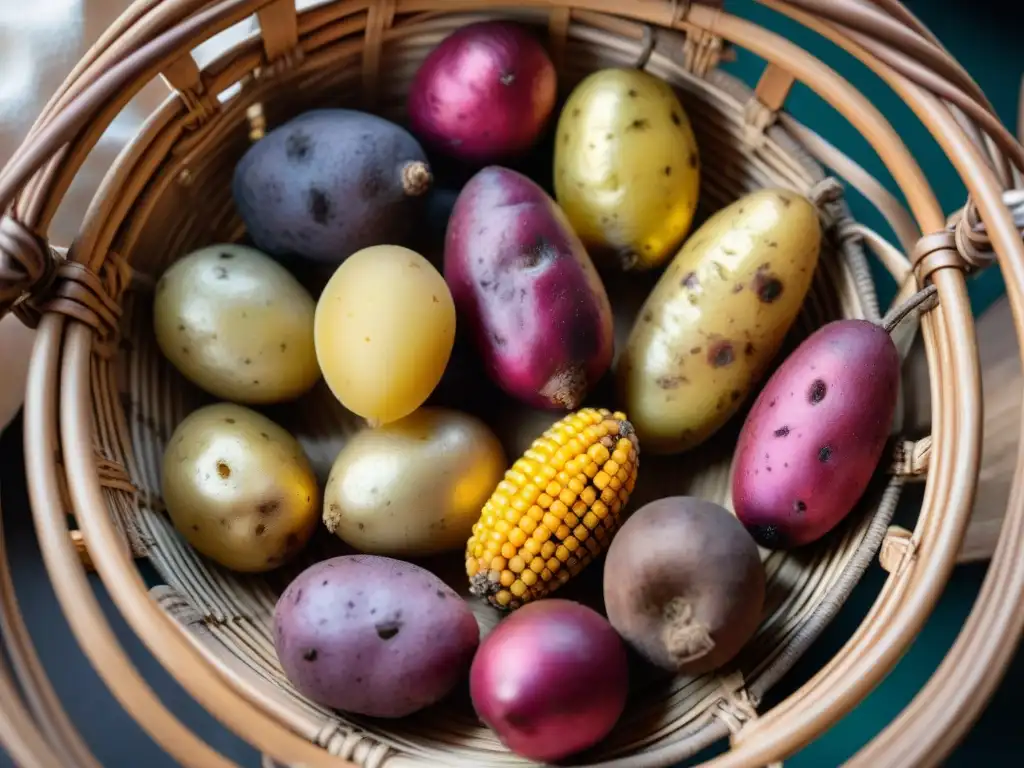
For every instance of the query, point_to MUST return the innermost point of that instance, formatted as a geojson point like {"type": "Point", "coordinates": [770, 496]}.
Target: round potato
{"type": "Point", "coordinates": [239, 488]}
{"type": "Point", "coordinates": [384, 330]}
{"type": "Point", "coordinates": [236, 323]}
{"type": "Point", "coordinates": [413, 487]}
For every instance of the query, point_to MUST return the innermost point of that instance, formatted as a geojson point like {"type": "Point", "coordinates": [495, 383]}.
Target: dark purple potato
{"type": "Point", "coordinates": [373, 635]}
{"type": "Point", "coordinates": [814, 437]}
{"type": "Point", "coordinates": [331, 182]}
{"type": "Point", "coordinates": [684, 584]}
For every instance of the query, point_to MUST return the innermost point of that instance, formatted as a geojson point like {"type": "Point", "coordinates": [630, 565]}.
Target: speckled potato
{"type": "Point", "coordinates": [627, 167]}
{"type": "Point", "coordinates": [237, 324]}
{"type": "Point", "coordinates": [717, 317]}
{"type": "Point", "coordinates": [414, 487]}
{"type": "Point", "coordinates": [239, 488]}
{"type": "Point", "coordinates": [384, 330]}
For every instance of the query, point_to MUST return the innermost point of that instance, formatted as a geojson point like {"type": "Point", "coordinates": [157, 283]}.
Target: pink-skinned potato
{"type": "Point", "coordinates": [523, 282]}
{"type": "Point", "coordinates": [373, 635]}
{"type": "Point", "coordinates": [815, 434]}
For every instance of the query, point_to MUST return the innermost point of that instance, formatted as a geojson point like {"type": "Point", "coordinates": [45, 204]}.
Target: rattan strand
{"type": "Point", "coordinates": [166, 173]}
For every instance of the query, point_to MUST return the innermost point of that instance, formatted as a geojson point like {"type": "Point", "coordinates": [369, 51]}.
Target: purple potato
{"type": "Point", "coordinates": [373, 636]}
{"type": "Point", "coordinates": [815, 435]}
{"type": "Point", "coordinates": [331, 182]}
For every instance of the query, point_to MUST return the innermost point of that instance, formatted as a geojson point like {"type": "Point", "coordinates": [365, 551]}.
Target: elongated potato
{"type": "Point", "coordinates": [717, 317]}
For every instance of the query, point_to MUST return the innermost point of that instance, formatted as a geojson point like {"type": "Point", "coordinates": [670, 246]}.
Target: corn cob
{"type": "Point", "coordinates": [556, 509]}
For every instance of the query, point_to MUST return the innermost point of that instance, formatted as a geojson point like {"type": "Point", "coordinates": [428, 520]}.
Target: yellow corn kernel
{"type": "Point", "coordinates": [555, 510]}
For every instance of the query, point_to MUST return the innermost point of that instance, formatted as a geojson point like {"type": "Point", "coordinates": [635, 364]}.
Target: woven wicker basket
{"type": "Point", "coordinates": [101, 400]}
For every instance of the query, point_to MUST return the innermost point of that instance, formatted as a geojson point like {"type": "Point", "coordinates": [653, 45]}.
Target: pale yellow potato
{"type": "Point", "coordinates": [239, 488]}
{"type": "Point", "coordinates": [384, 331]}
{"type": "Point", "coordinates": [627, 167]}
{"type": "Point", "coordinates": [717, 317]}
{"type": "Point", "coordinates": [237, 324]}
{"type": "Point", "coordinates": [413, 487]}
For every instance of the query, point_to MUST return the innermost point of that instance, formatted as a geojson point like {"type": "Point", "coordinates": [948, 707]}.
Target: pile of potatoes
{"type": "Point", "coordinates": [447, 283]}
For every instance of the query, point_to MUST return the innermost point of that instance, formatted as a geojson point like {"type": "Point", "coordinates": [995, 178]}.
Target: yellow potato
{"type": "Point", "coordinates": [236, 323]}
{"type": "Point", "coordinates": [239, 488]}
{"type": "Point", "coordinates": [626, 167]}
{"type": "Point", "coordinates": [414, 487]}
{"type": "Point", "coordinates": [384, 330]}
{"type": "Point", "coordinates": [717, 317]}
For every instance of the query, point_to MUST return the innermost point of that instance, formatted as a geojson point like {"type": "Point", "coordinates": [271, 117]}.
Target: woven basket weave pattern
{"type": "Point", "coordinates": [102, 401]}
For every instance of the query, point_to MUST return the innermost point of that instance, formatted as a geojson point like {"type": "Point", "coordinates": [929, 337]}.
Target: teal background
{"type": "Point", "coordinates": [989, 45]}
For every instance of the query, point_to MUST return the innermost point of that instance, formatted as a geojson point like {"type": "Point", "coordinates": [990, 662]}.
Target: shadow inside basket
{"type": "Point", "coordinates": [231, 614]}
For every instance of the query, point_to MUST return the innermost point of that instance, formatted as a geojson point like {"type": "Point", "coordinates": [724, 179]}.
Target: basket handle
{"type": "Point", "coordinates": [27, 262]}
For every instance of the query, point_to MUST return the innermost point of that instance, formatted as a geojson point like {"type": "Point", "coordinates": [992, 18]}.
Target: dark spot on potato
{"type": "Point", "coordinates": [268, 507]}
{"type": "Point", "coordinates": [359, 679]}
{"type": "Point", "coordinates": [387, 630]}
{"type": "Point", "coordinates": [676, 120]}
{"type": "Point", "coordinates": [229, 421]}
{"type": "Point", "coordinates": [442, 595]}
{"type": "Point", "coordinates": [223, 470]}
{"type": "Point", "coordinates": [261, 529]}
{"type": "Point", "coordinates": [749, 349]}
{"type": "Point", "coordinates": [310, 655]}
{"type": "Point", "coordinates": [264, 435]}
{"type": "Point", "coordinates": [690, 280]}
{"type": "Point", "coordinates": [734, 395]}
{"type": "Point", "coordinates": [298, 597]}
{"type": "Point", "coordinates": [181, 327]}
{"type": "Point", "coordinates": [499, 340]}
{"type": "Point", "coordinates": [773, 244]}
{"type": "Point", "coordinates": [737, 288]}
{"type": "Point", "coordinates": [782, 431]}
{"type": "Point", "coordinates": [824, 453]}
{"type": "Point", "coordinates": [539, 251]}
{"type": "Point", "coordinates": [373, 611]}
{"type": "Point", "coordinates": [632, 93]}
{"type": "Point", "coordinates": [668, 170]}
{"type": "Point", "coordinates": [291, 543]}
{"type": "Point", "coordinates": [350, 604]}
{"type": "Point", "coordinates": [226, 255]}
{"type": "Point", "coordinates": [671, 382]}
{"type": "Point", "coordinates": [640, 124]}
{"type": "Point", "coordinates": [366, 339]}
{"type": "Point", "coordinates": [721, 354]}
{"type": "Point", "coordinates": [786, 202]}
{"type": "Point", "coordinates": [247, 361]}
{"type": "Point", "coordinates": [799, 507]}
{"type": "Point", "coordinates": [220, 273]}
{"type": "Point", "coordinates": [298, 146]}
{"type": "Point", "coordinates": [817, 391]}
{"type": "Point", "coordinates": [323, 583]}
{"type": "Point", "coordinates": [692, 160]}
{"type": "Point", "coordinates": [319, 205]}
{"type": "Point", "coordinates": [609, 136]}
{"type": "Point", "coordinates": [362, 526]}
{"type": "Point", "coordinates": [767, 286]}
{"type": "Point", "coordinates": [576, 112]}
{"type": "Point", "coordinates": [768, 536]}
{"type": "Point", "coordinates": [195, 527]}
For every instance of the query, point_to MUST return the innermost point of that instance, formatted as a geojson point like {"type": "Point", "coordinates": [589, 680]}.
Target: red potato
{"type": "Point", "coordinates": [484, 94]}
{"type": "Point", "coordinates": [551, 679]}
{"type": "Point", "coordinates": [814, 437]}
{"type": "Point", "coordinates": [522, 280]}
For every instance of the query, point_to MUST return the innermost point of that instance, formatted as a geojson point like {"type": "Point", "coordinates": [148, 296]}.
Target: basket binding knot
{"type": "Point", "coordinates": [27, 268]}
